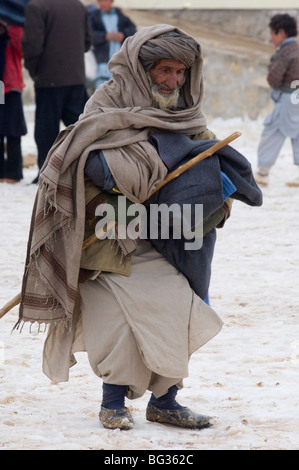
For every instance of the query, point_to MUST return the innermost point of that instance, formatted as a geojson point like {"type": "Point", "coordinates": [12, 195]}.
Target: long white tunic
{"type": "Point", "coordinates": [138, 331]}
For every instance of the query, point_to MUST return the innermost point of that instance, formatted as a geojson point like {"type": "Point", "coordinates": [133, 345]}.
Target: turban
{"type": "Point", "coordinates": [130, 87]}
{"type": "Point", "coordinates": [172, 45]}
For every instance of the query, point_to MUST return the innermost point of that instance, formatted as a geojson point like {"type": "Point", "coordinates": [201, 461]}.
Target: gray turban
{"type": "Point", "coordinates": [171, 45]}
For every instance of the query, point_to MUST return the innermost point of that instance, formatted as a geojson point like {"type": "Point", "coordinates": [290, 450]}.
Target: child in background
{"type": "Point", "coordinates": [12, 121]}
{"type": "Point", "coordinates": [283, 121]}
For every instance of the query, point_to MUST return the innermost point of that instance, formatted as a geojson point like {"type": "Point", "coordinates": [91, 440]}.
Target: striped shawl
{"type": "Point", "coordinates": [117, 119]}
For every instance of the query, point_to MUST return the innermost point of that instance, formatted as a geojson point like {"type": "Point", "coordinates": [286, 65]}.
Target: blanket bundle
{"type": "Point", "coordinates": [200, 184]}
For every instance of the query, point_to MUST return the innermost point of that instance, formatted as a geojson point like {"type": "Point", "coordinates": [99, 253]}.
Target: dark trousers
{"type": "Point", "coordinates": [11, 167]}
{"type": "Point", "coordinates": [52, 106]}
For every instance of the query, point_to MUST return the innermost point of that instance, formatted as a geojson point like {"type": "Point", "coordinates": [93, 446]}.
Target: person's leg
{"type": "Point", "coordinates": [14, 162]}
{"type": "Point", "coordinates": [113, 413]}
{"type": "Point", "coordinates": [114, 396]}
{"type": "Point", "coordinates": [167, 410]}
{"type": "Point", "coordinates": [167, 401]}
{"type": "Point", "coordinates": [268, 150]}
{"type": "Point", "coordinates": [49, 103]}
{"type": "Point", "coordinates": [74, 101]}
{"type": "Point", "coordinates": [112, 352]}
{"type": "Point", "coordinates": [114, 357]}
{"type": "Point", "coordinates": [295, 145]}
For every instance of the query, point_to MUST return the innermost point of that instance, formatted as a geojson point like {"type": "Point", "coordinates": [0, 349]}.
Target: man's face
{"type": "Point", "coordinates": [105, 5]}
{"type": "Point", "coordinates": [167, 76]}
{"type": "Point", "coordinates": [277, 38]}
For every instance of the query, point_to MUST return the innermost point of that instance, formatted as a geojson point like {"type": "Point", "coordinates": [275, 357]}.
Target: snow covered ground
{"type": "Point", "coordinates": [247, 377]}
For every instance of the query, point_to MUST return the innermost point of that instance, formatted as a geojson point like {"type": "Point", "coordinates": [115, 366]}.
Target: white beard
{"type": "Point", "coordinates": [164, 101]}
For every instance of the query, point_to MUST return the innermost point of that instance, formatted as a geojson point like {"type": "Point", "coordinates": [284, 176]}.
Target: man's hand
{"type": "Point", "coordinates": [113, 36]}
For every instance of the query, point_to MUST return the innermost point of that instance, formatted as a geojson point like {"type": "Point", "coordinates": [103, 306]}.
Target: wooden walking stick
{"type": "Point", "coordinates": [201, 156]}
{"type": "Point", "coordinates": [11, 304]}
{"type": "Point", "coordinates": [171, 176]}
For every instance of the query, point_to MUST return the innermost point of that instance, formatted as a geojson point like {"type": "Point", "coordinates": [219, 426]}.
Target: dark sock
{"type": "Point", "coordinates": [167, 401]}
{"type": "Point", "coordinates": [113, 396]}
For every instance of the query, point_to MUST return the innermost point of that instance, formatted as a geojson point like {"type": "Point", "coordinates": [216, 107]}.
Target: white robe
{"type": "Point", "coordinates": [138, 331]}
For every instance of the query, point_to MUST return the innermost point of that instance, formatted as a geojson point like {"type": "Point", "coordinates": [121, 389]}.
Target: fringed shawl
{"type": "Point", "coordinates": [117, 119]}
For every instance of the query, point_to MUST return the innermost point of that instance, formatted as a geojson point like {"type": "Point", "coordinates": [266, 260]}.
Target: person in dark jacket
{"type": "Point", "coordinates": [56, 36]}
{"type": "Point", "coordinates": [110, 27]}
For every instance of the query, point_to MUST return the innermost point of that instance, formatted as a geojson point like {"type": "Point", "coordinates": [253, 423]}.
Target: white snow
{"type": "Point", "coordinates": [246, 377]}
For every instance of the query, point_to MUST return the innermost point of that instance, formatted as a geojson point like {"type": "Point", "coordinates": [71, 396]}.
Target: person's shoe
{"type": "Point", "coordinates": [183, 417]}
{"type": "Point", "coordinates": [294, 183]}
{"type": "Point", "coordinates": [261, 180]}
{"type": "Point", "coordinates": [116, 419]}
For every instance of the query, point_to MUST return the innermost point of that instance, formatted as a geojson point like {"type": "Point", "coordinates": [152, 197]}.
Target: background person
{"type": "Point", "coordinates": [283, 121]}
{"type": "Point", "coordinates": [56, 36]}
{"type": "Point", "coordinates": [110, 27]}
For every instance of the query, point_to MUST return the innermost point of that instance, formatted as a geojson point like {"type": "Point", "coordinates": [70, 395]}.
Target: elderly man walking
{"type": "Point", "coordinates": [122, 301]}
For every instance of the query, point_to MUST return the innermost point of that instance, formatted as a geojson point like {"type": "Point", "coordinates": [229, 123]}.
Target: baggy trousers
{"type": "Point", "coordinates": [270, 145]}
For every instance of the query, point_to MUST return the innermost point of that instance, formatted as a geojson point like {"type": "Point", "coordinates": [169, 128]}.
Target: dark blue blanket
{"type": "Point", "coordinates": [201, 184]}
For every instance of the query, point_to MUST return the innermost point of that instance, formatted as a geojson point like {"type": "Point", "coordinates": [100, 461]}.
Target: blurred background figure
{"type": "Point", "coordinates": [283, 121]}
{"type": "Point", "coordinates": [110, 27]}
{"type": "Point", "coordinates": [12, 120]}
{"type": "Point", "coordinates": [57, 34]}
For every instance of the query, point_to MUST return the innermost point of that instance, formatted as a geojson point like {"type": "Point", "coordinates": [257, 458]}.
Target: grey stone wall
{"type": "Point", "coordinates": [235, 85]}
{"type": "Point", "coordinates": [241, 23]}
